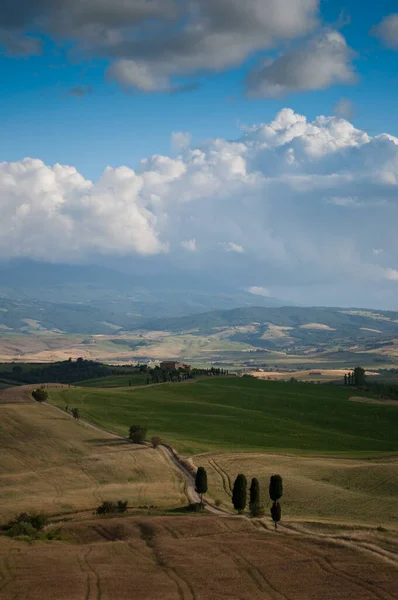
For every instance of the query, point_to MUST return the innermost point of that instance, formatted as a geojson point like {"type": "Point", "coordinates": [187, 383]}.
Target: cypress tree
{"type": "Point", "coordinates": [239, 493]}
{"type": "Point", "coordinates": [359, 376]}
{"type": "Point", "coordinates": [201, 482]}
{"type": "Point", "coordinates": [276, 513]}
{"type": "Point", "coordinates": [275, 488]}
{"type": "Point", "coordinates": [254, 504]}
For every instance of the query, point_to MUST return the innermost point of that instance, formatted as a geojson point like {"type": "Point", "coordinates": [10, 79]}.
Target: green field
{"type": "Point", "coordinates": [243, 415]}
{"type": "Point", "coordinates": [115, 381]}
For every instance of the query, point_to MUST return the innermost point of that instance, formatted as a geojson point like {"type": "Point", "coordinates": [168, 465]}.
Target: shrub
{"type": "Point", "coordinates": [21, 528]}
{"type": "Point", "coordinates": [137, 434]}
{"type": "Point", "coordinates": [26, 524]}
{"type": "Point", "coordinates": [218, 502]}
{"type": "Point", "coordinates": [40, 395]}
{"type": "Point", "coordinates": [195, 507]}
{"type": "Point", "coordinates": [109, 507]}
{"type": "Point", "coordinates": [155, 441]}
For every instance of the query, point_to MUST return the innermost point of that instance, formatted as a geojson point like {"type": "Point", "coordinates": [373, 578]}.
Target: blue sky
{"type": "Point", "coordinates": [112, 127]}
{"type": "Point", "coordinates": [263, 190]}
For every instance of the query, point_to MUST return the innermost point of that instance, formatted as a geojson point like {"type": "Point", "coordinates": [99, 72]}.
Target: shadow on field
{"type": "Point", "coordinates": [107, 442]}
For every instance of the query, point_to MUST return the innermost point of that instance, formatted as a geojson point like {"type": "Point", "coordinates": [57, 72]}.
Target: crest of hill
{"type": "Point", "coordinates": [285, 316]}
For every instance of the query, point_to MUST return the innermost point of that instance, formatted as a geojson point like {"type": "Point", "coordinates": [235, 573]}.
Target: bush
{"type": "Point", "coordinates": [109, 507]}
{"type": "Point", "coordinates": [21, 528]}
{"type": "Point", "coordinates": [28, 524]}
{"type": "Point", "coordinates": [40, 395]}
{"type": "Point", "coordinates": [195, 507]}
{"type": "Point", "coordinates": [155, 441]}
{"type": "Point", "coordinates": [137, 434]}
{"type": "Point", "coordinates": [218, 502]}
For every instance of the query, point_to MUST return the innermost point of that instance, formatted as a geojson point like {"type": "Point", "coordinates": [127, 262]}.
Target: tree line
{"type": "Point", "coordinates": [382, 389]}
{"type": "Point", "coordinates": [239, 494]}
{"type": "Point", "coordinates": [357, 377]}
{"type": "Point", "coordinates": [67, 371]}
{"type": "Point", "coordinates": [159, 375]}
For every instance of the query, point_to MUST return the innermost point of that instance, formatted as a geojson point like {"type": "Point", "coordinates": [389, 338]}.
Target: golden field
{"type": "Point", "coordinates": [196, 558]}
{"type": "Point", "coordinates": [51, 463]}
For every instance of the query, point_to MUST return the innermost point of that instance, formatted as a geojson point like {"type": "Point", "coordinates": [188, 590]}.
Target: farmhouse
{"type": "Point", "coordinates": [169, 365]}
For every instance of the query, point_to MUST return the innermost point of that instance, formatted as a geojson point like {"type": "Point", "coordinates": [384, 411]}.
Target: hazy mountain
{"type": "Point", "coordinates": [96, 299]}
{"type": "Point", "coordinates": [290, 327]}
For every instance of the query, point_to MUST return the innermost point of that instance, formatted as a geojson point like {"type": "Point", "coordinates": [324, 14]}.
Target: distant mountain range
{"type": "Point", "coordinates": [291, 328]}
{"type": "Point", "coordinates": [37, 298]}
{"type": "Point", "coordinates": [89, 299]}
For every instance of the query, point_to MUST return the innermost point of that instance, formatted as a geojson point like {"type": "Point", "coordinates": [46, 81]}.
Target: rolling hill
{"type": "Point", "coordinates": [290, 327]}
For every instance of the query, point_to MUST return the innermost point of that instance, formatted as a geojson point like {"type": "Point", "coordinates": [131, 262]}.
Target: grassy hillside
{"type": "Point", "coordinates": [333, 490]}
{"type": "Point", "coordinates": [233, 414]}
{"type": "Point", "coordinates": [53, 464]}
{"type": "Point", "coordinates": [115, 381]}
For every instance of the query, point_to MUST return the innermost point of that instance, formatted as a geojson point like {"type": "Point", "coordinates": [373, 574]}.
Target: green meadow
{"type": "Point", "coordinates": [115, 381]}
{"type": "Point", "coordinates": [243, 415]}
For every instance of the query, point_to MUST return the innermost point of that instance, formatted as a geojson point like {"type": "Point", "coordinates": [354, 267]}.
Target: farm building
{"type": "Point", "coordinates": [169, 365]}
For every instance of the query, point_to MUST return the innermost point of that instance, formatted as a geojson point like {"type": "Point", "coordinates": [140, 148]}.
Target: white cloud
{"type": "Point", "coordinates": [189, 245]}
{"type": "Point", "coordinates": [259, 291]}
{"type": "Point", "coordinates": [280, 197]}
{"type": "Point", "coordinates": [53, 212]}
{"type": "Point", "coordinates": [137, 74]}
{"type": "Point", "coordinates": [391, 274]}
{"type": "Point", "coordinates": [377, 251]}
{"type": "Point", "coordinates": [350, 202]}
{"type": "Point", "coordinates": [232, 247]}
{"type": "Point", "coordinates": [387, 31]}
{"type": "Point", "coordinates": [315, 65]}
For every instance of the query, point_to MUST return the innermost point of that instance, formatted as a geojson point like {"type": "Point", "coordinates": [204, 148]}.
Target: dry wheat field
{"type": "Point", "coordinates": [53, 464]}
{"type": "Point", "coordinates": [192, 558]}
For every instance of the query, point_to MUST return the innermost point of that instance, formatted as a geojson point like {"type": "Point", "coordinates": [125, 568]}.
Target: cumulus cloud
{"type": "Point", "coordinates": [152, 42]}
{"type": "Point", "coordinates": [271, 206]}
{"type": "Point", "coordinates": [387, 31]}
{"type": "Point", "coordinates": [315, 65]}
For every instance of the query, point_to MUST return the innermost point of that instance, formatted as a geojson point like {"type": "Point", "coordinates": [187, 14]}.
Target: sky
{"type": "Point", "coordinates": [255, 139]}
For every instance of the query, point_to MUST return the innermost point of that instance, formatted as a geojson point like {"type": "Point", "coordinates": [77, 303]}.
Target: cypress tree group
{"type": "Point", "coordinates": [275, 488]}
{"type": "Point", "coordinates": [201, 482]}
{"type": "Point", "coordinates": [254, 503]}
{"type": "Point", "coordinates": [239, 493]}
